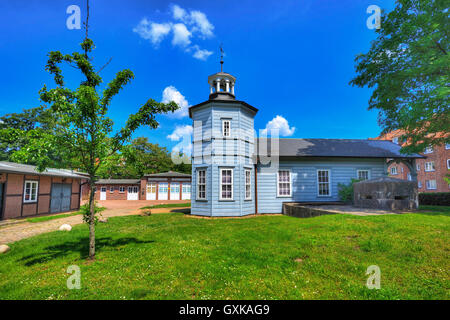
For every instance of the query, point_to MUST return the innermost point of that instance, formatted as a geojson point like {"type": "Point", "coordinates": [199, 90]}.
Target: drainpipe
{"type": "Point", "coordinates": [256, 189]}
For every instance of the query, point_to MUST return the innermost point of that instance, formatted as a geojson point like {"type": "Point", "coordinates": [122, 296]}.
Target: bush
{"type": "Point", "coordinates": [346, 191]}
{"type": "Point", "coordinates": [434, 199]}
{"type": "Point", "coordinates": [84, 209]}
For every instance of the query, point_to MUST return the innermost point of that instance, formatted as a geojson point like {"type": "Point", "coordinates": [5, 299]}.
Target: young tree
{"type": "Point", "coordinates": [84, 131]}
{"type": "Point", "coordinates": [408, 66]}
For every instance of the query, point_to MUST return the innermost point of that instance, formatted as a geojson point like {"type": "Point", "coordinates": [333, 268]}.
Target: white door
{"type": "Point", "coordinates": [163, 191]}
{"type": "Point", "coordinates": [186, 191]}
{"type": "Point", "coordinates": [133, 193]}
{"type": "Point", "coordinates": [151, 191]}
{"type": "Point", "coordinates": [103, 193]}
{"type": "Point", "coordinates": [175, 191]}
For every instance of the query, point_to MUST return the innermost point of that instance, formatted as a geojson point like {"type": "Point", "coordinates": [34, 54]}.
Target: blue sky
{"type": "Point", "coordinates": [292, 59]}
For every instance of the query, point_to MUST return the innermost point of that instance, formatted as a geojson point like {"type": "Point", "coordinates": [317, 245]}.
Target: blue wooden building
{"type": "Point", "coordinates": [236, 174]}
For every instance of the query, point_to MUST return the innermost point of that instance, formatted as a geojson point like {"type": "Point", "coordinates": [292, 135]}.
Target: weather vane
{"type": "Point", "coordinates": [221, 57]}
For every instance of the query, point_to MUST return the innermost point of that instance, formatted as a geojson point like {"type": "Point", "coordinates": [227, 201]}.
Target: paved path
{"type": "Point", "coordinates": [116, 208]}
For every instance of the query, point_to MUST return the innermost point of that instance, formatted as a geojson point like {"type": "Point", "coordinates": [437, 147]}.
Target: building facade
{"type": "Point", "coordinates": [431, 170]}
{"type": "Point", "coordinates": [166, 186]}
{"type": "Point", "coordinates": [236, 174]}
{"type": "Point", "coordinates": [25, 192]}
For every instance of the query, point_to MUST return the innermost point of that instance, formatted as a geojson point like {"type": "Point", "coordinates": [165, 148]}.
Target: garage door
{"type": "Point", "coordinates": [174, 192]}
{"type": "Point", "coordinates": [1, 200]}
{"type": "Point", "coordinates": [61, 193]}
{"type": "Point", "coordinates": [163, 190]}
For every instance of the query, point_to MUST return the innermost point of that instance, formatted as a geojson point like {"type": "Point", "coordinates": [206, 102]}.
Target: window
{"type": "Point", "coordinates": [248, 184]}
{"type": "Point", "coordinates": [418, 167]}
{"type": "Point", "coordinates": [429, 166]}
{"type": "Point", "coordinates": [395, 140]}
{"type": "Point", "coordinates": [201, 184]}
{"type": "Point", "coordinates": [323, 183]}
{"type": "Point", "coordinates": [31, 191]}
{"type": "Point", "coordinates": [226, 128]}
{"type": "Point", "coordinates": [226, 184]}
{"type": "Point", "coordinates": [186, 188]}
{"type": "Point", "coordinates": [393, 171]}
{"type": "Point", "coordinates": [428, 150]}
{"type": "Point", "coordinates": [419, 184]}
{"type": "Point", "coordinates": [121, 189]}
{"type": "Point", "coordinates": [409, 177]}
{"type": "Point", "coordinates": [447, 146]}
{"type": "Point", "coordinates": [448, 164]}
{"type": "Point", "coordinates": [111, 189]}
{"type": "Point", "coordinates": [363, 174]}
{"type": "Point", "coordinates": [431, 184]}
{"type": "Point", "coordinates": [284, 183]}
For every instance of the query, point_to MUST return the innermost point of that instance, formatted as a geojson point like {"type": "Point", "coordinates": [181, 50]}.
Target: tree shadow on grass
{"type": "Point", "coordinates": [81, 246]}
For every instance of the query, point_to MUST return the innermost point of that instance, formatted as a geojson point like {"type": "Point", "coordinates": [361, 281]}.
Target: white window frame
{"type": "Point", "coordinates": [448, 164]}
{"type": "Point", "coordinates": [121, 189]}
{"type": "Point", "coordinates": [201, 184]}
{"type": "Point", "coordinates": [31, 182]}
{"type": "Point", "coordinates": [419, 184]}
{"type": "Point", "coordinates": [278, 184]}
{"type": "Point", "coordinates": [447, 146]}
{"type": "Point", "coordinates": [428, 185]}
{"type": "Point", "coordinates": [428, 150]}
{"type": "Point", "coordinates": [392, 170]}
{"type": "Point", "coordinates": [395, 140]}
{"type": "Point", "coordinates": [248, 184]}
{"type": "Point", "coordinates": [221, 184]}
{"type": "Point", "coordinates": [361, 170]}
{"type": "Point", "coordinates": [329, 183]}
{"type": "Point", "coordinates": [409, 177]}
{"type": "Point", "coordinates": [223, 128]}
{"type": "Point", "coordinates": [430, 163]}
{"type": "Point", "coordinates": [111, 189]}
{"type": "Point", "coordinates": [418, 167]}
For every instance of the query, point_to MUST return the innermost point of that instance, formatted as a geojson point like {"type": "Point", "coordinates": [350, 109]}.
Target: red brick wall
{"type": "Point", "coordinates": [116, 195]}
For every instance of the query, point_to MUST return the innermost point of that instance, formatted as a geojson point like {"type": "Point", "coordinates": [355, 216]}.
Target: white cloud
{"type": "Point", "coordinates": [180, 132]}
{"type": "Point", "coordinates": [281, 124]}
{"type": "Point", "coordinates": [181, 35]}
{"type": "Point", "coordinates": [155, 32]}
{"type": "Point", "coordinates": [201, 24]}
{"type": "Point", "coordinates": [178, 13]}
{"type": "Point", "coordinates": [171, 93]}
{"type": "Point", "coordinates": [201, 54]}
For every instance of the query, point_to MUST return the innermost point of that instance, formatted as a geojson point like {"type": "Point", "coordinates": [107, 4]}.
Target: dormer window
{"type": "Point", "coordinates": [428, 150]}
{"type": "Point", "coordinates": [226, 128]}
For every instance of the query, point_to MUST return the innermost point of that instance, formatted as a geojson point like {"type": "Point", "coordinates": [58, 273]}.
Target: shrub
{"type": "Point", "coordinates": [346, 191]}
{"type": "Point", "coordinates": [435, 199]}
{"type": "Point", "coordinates": [84, 209]}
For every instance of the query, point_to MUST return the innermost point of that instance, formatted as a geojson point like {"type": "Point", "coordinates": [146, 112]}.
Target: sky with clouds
{"type": "Point", "coordinates": [292, 59]}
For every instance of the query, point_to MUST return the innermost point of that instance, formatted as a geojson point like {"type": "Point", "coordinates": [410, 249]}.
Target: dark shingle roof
{"type": "Point", "coordinates": [13, 167]}
{"type": "Point", "coordinates": [243, 103]}
{"type": "Point", "coordinates": [357, 148]}
{"type": "Point", "coordinates": [118, 181]}
{"type": "Point", "coordinates": [170, 174]}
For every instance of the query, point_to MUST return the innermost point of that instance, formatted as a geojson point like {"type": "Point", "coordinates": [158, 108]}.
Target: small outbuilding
{"type": "Point", "coordinates": [24, 191]}
{"type": "Point", "coordinates": [386, 193]}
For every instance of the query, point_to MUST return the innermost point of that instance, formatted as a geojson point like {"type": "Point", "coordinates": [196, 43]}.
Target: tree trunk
{"type": "Point", "coordinates": [92, 221]}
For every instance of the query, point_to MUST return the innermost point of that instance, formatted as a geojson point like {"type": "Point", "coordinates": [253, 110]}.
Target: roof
{"type": "Point", "coordinates": [218, 99]}
{"type": "Point", "coordinates": [118, 181]}
{"type": "Point", "coordinates": [170, 174]}
{"type": "Point", "coordinates": [356, 148]}
{"type": "Point", "coordinates": [13, 167]}
{"type": "Point", "coordinates": [386, 179]}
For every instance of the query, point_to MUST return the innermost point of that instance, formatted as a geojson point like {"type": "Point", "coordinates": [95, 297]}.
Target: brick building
{"type": "Point", "coordinates": [430, 171]}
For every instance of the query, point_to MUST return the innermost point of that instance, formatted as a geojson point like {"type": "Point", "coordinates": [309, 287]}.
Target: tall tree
{"type": "Point", "coordinates": [408, 67]}
{"type": "Point", "coordinates": [84, 129]}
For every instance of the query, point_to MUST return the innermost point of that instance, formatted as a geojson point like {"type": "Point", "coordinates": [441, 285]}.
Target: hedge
{"type": "Point", "coordinates": [435, 199]}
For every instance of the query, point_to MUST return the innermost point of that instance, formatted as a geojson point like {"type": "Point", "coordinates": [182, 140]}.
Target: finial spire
{"type": "Point", "coordinates": [221, 57]}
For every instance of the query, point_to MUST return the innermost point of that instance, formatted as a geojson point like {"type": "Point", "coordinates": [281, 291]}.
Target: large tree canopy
{"type": "Point", "coordinates": [408, 67]}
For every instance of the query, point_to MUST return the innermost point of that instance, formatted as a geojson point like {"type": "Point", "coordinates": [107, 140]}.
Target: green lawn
{"type": "Point", "coordinates": [168, 205]}
{"type": "Point", "coordinates": [59, 216]}
{"type": "Point", "coordinates": [173, 256]}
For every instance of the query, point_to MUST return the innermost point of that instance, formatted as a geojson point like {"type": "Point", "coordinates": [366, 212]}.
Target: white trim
{"type": "Point", "coordinates": [278, 184]}
{"type": "Point", "coordinates": [249, 184]}
{"type": "Point", "coordinates": [448, 164]}
{"type": "Point", "coordinates": [396, 171]}
{"type": "Point", "coordinates": [111, 189]}
{"type": "Point", "coordinates": [223, 127]}
{"type": "Point", "coordinates": [329, 183]}
{"type": "Point", "coordinates": [360, 170]}
{"type": "Point", "coordinates": [198, 184]}
{"type": "Point", "coordinates": [232, 185]}
{"type": "Point", "coordinates": [122, 188]}
{"type": "Point", "coordinates": [103, 193]}
{"type": "Point", "coordinates": [432, 165]}
{"type": "Point", "coordinates": [428, 150]}
{"type": "Point", "coordinates": [427, 184]}
{"type": "Point", "coordinates": [447, 146]}
{"type": "Point", "coordinates": [31, 182]}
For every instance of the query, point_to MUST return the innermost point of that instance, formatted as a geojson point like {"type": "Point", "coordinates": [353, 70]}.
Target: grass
{"type": "Point", "coordinates": [174, 256]}
{"type": "Point", "coordinates": [59, 216]}
{"type": "Point", "coordinates": [168, 205]}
